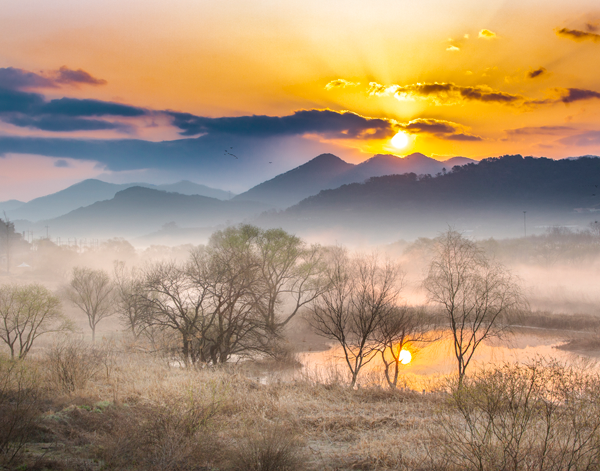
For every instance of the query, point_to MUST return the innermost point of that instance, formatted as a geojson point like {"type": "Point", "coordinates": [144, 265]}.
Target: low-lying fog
{"type": "Point", "coordinates": [557, 272]}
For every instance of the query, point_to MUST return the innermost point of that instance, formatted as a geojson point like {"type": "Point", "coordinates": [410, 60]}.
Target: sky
{"type": "Point", "coordinates": [232, 93]}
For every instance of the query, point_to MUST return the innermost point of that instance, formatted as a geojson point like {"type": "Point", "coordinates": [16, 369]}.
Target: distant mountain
{"type": "Point", "coordinates": [90, 191]}
{"type": "Point", "coordinates": [290, 187]}
{"type": "Point", "coordinates": [137, 211]}
{"type": "Point", "coordinates": [328, 171]}
{"type": "Point", "coordinates": [488, 198]}
{"type": "Point", "coordinates": [9, 205]}
{"type": "Point", "coordinates": [186, 187]}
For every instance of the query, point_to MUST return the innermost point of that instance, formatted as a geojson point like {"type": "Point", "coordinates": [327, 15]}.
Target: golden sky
{"type": "Point", "coordinates": [467, 78]}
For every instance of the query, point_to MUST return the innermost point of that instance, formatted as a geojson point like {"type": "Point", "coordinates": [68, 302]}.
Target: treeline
{"type": "Point", "coordinates": [492, 183]}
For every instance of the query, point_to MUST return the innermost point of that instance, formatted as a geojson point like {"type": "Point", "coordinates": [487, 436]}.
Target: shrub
{"type": "Point", "coordinates": [171, 436]}
{"type": "Point", "coordinates": [20, 398]}
{"type": "Point", "coordinates": [71, 363]}
{"type": "Point", "coordinates": [271, 448]}
{"type": "Point", "coordinates": [539, 416]}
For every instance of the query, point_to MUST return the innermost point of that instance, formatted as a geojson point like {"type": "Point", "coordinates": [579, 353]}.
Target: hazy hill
{"type": "Point", "coordinates": [293, 186]}
{"type": "Point", "coordinates": [90, 191]}
{"type": "Point", "coordinates": [137, 211]}
{"type": "Point", "coordinates": [186, 187]}
{"type": "Point", "coordinates": [487, 198]}
{"type": "Point", "coordinates": [328, 171]}
{"type": "Point", "coordinates": [10, 205]}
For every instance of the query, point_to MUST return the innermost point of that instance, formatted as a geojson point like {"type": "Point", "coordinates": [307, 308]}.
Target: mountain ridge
{"type": "Point", "coordinates": [89, 191]}
{"type": "Point", "coordinates": [327, 171]}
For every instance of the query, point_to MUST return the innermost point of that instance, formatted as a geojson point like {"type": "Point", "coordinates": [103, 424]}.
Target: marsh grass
{"type": "Point", "coordinates": [140, 413]}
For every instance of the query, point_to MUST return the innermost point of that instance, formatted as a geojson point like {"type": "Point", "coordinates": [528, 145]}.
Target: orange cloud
{"type": "Point", "coordinates": [340, 83]}
{"type": "Point", "coordinates": [487, 34]}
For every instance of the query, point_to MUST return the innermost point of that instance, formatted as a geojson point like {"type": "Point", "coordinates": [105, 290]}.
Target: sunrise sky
{"type": "Point", "coordinates": [231, 93]}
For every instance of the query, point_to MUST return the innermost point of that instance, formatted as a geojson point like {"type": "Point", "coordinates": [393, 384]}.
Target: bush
{"type": "Point", "coordinates": [20, 398]}
{"type": "Point", "coordinates": [541, 416]}
{"type": "Point", "coordinates": [172, 436]}
{"type": "Point", "coordinates": [272, 448]}
{"type": "Point", "coordinates": [71, 363]}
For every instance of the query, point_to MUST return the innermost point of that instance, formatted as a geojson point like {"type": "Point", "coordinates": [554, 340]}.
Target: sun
{"type": "Point", "coordinates": [400, 140]}
{"type": "Point", "coordinates": [404, 357]}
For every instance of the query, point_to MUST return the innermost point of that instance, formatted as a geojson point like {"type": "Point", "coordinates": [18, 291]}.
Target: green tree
{"type": "Point", "coordinates": [26, 313]}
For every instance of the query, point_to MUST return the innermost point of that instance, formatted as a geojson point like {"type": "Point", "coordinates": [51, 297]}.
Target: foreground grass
{"type": "Point", "coordinates": [131, 411]}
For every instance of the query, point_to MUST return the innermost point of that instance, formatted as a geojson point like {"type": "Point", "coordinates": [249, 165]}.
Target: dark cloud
{"type": "Point", "coordinates": [439, 128]}
{"type": "Point", "coordinates": [62, 123]}
{"type": "Point", "coordinates": [27, 109]}
{"type": "Point", "coordinates": [445, 93]}
{"type": "Point", "coordinates": [61, 163]}
{"type": "Point", "coordinates": [578, 35]}
{"type": "Point", "coordinates": [18, 79]}
{"type": "Point", "coordinates": [86, 107]}
{"type": "Point", "coordinates": [345, 125]}
{"type": "Point", "coordinates": [590, 138]}
{"type": "Point", "coordinates": [69, 76]}
{"type": "Point", "coordinates": [570, 95]}
{"type": "Point", "coordinates": [593, 27]}
{"type": "Point", "coordinates": [536, 73]}
{"type": "Point", "coordinates": [537, 130]}
{"type": "Point", "coordinates": [431, 126]}
{"type": "Point", "coordinates": [15, 101]}
{"type": "Point", "coordinates": [462, 137]}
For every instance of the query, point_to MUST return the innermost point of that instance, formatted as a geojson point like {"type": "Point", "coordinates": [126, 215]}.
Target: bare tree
{"type": "Point", "coordinates": [228, 270]}
{"type": "Point", "coordinates": [473, 291]}
{"type": "Point", "coordinates": [129, 302]}
{"type": "Point", "coordinates": [398, 328]}
{"type": "Point", "coordinates": [93, 292]}
{"type": "Point", "coordinates": [362, 293]}
{"type": "Point", "coordinates": [173, 301]}
{"type": "Point", "coordinates": [26, 313]}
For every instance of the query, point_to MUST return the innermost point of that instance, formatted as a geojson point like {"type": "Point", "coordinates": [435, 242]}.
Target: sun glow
{"type": "Point", "coordinates": [404, 357]}
{"type": "Point", "coordinates": [400, 140]}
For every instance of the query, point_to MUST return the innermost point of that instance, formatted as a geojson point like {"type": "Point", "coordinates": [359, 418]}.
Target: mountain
{"type": "Point", "coordinates": [136, 211]}
{"type": "Point", "coordinates": [303, 181]}
{"type": "Point", "coordinates": [387, 164]}
{"type": "Point", "coordinates": [328, 171]}
{"type": "Point", "coordinates": [90, 191]}
{"type": "Point", "coordinates": [488, 199]}
{"type": "Point", "coordinates": [10, 205]}
{"type": "Point", "coordinates": [186, 187]}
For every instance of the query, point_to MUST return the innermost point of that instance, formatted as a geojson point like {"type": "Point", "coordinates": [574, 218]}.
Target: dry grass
{"type": "Point", "coordinates": [138, 412]}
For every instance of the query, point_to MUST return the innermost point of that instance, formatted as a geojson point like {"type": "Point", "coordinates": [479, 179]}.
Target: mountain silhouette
{"type": "Point", "coordinates": [136, 211]}
{"type": "Point", "coordinates": [9, 205]}
{"type": "Point", "coordinates": [291, 187]}
{"type": "Point", "coordinates": [90, 191]}
{"type": "Point", "coordinates": [488, 198]}
{"type": "Point", "coordinates": [328, 171]}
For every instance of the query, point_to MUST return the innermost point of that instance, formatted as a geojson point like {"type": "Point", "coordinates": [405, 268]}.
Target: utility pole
{"type": "Point", "coordinates": [525, 222]}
